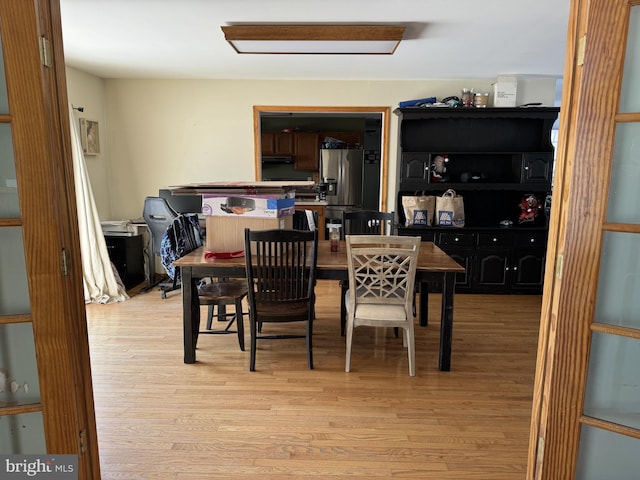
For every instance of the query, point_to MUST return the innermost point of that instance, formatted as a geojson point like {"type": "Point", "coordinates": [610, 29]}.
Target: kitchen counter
{"type": "Point", "coordinates": [311, 202]}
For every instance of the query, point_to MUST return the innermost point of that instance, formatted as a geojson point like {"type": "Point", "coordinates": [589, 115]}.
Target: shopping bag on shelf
{"type": "Point", "coordinates": [449, 210]}
{"type": "Point", "coordinates": [418, 209]}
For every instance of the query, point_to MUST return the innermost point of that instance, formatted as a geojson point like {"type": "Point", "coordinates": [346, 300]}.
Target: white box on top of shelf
{"type": "Point", "coordinates": [505, 90]}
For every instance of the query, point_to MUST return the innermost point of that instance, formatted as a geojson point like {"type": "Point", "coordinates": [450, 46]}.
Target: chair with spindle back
{"type": "Point", "coordinates": [280, 266]}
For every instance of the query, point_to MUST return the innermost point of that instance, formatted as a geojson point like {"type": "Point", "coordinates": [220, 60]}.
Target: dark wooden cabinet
{"type": "Point", "coordinates": [284, 143]}
{"type": "Point", "coordinates": [494, 157]}
{"type": "Point", "coordinates": [414, 167]}
{"type": "Point", "coordinates": [536, 168]}
{"type": "Point", "coordinates": [304, 147]}
{"type": "Point", "coordinates": [268, 143]}
{"type": "Point", "coordinates": [126, 253]}
{"type": "Point", "coordinates": [528, 270]}
{"type": "Point", "coordinates": [277, 143]}
{"type": "Point", "coordinates": [492, 271]}
{"type": "Point", "coordinates": [307, 151]}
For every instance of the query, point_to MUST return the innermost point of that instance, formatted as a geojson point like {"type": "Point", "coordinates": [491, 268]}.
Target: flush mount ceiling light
{"type": "Point", "coordinates": [315, 39]}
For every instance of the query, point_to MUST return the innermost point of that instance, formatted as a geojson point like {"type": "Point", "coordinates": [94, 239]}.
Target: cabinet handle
{"type": "Point", "coordinates": [526, 168]}
{"type": "Point", "coordinates": [515, 268]}
{"type": "Point", "coordinates": [495, 239]}
{"type": "Point", "coordinates": [532, 240]}
{"type": "Point", "coordinates": [456, 239]}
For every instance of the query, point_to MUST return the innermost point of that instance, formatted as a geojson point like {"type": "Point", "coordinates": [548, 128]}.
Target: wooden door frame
{"type": "Point", "coordinates": [547, 332]}
{"type": "Point", "coordinates": [384, 159]}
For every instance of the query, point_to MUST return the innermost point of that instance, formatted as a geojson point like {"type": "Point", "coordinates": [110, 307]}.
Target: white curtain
{"type": "Point", "coordinates": [100, 283]}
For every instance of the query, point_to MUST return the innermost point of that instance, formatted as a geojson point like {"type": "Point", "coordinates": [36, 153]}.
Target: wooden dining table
{"type": "Point", "coordinates": [435, 268]}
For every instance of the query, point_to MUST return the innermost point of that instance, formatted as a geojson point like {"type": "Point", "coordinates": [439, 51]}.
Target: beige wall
{"type": "Point", "coordinates": [87, 91]}
{"type": "Point", "coordinates": [169, 132]}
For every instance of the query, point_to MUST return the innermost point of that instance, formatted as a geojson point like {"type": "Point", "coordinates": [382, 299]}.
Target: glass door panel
{"type": "Point", "coordinates": [9, 207]}
{"type": "Point", "coordinates": [630, 93]}
{"type": "Point", "coordinates": [613, 368]}
{"type": "Point", "coordinates": [624, 194]}
{"type": "Point", "coordinates": [22, 433]}
{"type": "Point", "coordinates": [617, 299]}
{"type": "Point", "coordinates": [606, 455]}
{"type": "Point", "coordinates": [18, 370]}
{"type": "Point", "coordinates": [14, 293]}
{"type": "Point", "coordinates": [4, 101]}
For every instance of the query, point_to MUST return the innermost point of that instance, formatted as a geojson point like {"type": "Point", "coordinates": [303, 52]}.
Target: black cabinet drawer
{"type": "Point", "coordinates": [425, 234]}
{"type": "Point", "coordinates": [494, 239]}
{"type": "Point", "coordinates": [457, 238]}
{"type": "Point", "coordinates": [531, 239]}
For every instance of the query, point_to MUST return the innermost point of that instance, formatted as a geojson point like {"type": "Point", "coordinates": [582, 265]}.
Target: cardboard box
{"type": "Point", "coordinates": [505, 90]}
{"type": "Point", "coordinates": [249, 206]}
{"type": "Point", "coordinates": [226, 233]}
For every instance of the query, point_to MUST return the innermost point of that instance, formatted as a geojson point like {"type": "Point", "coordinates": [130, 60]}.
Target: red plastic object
{"type": "Point", "coordinates": [208, 254]}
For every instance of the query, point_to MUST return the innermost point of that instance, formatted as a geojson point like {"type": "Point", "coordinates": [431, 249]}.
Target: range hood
{"type": "Point", "coordinates": [277, 159]}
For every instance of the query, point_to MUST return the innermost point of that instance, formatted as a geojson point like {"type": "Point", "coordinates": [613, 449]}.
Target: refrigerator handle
{"type": "Point", "coordinates": [340, 183]}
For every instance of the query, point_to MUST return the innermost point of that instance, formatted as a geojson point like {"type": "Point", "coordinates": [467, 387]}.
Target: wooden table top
{"type": "Point", "coordinates": [430, 259]}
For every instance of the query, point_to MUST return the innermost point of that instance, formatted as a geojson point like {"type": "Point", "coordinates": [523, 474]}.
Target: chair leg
{"type": "Point", "coordinates": [210, 316]}
{"type": "Point", "coordinates": [411, 351]}
{"type": "Point", "coordinates": [343, 307]}
{"type": "Point", "coordinates": [240, 323]}
{"type": "Point", "coordinates": [222, 313]}
{"type": "Point", "coordinates": [347, 364]}
{"type": "Point", "coordinates": [252, 357]}
{"type": "Point", "coordinates": [310, 342]}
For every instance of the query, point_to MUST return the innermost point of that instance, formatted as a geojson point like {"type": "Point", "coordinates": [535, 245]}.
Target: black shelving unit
{"type": "Point", "coordinates": [496, 156]}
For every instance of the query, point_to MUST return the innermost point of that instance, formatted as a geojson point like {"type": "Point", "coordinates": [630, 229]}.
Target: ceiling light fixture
{"type": "Point", "coordinates": [315, 39]}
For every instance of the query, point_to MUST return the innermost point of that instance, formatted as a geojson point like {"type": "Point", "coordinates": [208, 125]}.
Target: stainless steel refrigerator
{"type": "Point", "coordinates": [341, 170]}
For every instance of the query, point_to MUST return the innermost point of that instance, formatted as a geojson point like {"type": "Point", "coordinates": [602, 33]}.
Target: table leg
{"type": "Point", "coordinates": [424, 304]}
{"type": "Point", "coordinates": [190, 314]}
{"type": "Point", "coordinates": [446, 323]}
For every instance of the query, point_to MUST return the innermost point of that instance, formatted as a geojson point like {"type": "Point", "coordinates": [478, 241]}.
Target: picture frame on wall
{"type": "Point", "coordinates": [89, 136]}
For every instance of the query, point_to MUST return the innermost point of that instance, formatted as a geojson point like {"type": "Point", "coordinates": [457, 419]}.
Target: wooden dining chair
{"type": "Point", "coordinates": [368, 222]}
{"type": "Point", "coordinates": [301, 220]}
{"type": "Point", "coordinates": [280, 269]}
{"type": "Point", "coordinates": [182, 237]}
{"type": "Point", "coordinates": [382, 274]}
{"type": "Point", "coordinates": [363, 222]}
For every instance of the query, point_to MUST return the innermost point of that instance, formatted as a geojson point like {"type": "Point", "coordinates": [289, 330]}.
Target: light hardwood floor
{"type": "Point", "coordinates": [158, 418]}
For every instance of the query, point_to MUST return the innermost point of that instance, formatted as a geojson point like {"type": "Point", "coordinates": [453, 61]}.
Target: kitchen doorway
{"type": "Point", "coordinates": [375, 138]}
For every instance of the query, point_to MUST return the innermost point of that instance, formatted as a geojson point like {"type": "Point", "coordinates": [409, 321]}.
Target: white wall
{"type": "Point", "coordinates": [170, 132]}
